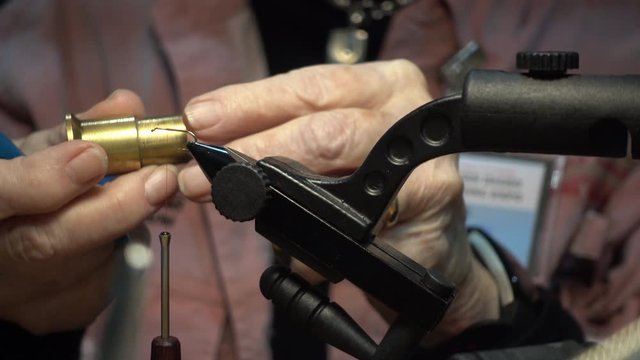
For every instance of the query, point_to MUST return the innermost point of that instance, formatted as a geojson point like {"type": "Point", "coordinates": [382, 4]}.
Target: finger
{"type": "Point", "coordinates": [590, 237]}
{"type": "Point", "coordinates": [622, 209]}
{"type": "Point", "coordinates": [623, 280]}
{"type": "Point", "coordinates": [42, 139]}
{"type": "Point", "coordinates": [328, 142]}
{"type": "Point", "coordinates": [105, 213]}
{"type": "Point", "coordinates": [194, 184]}
{"type": "Point", "coordinates": [430, 227]}
{"type": "Point", "coordinates": [119, 103]}
{"type": "Point", "coordinates": [238, 110]}
{"type": "Point", "coordinates": [48, 179]}
{"type": "Point", "coordinates": [431, 187]}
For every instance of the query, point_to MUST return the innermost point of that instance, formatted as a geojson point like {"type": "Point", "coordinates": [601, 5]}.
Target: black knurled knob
{"type": "Point", "coordinates": [239, 191]}
{"type": "Point", "coordinates": [547, 62]}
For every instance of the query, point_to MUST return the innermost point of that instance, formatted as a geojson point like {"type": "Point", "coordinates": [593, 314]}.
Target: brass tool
{"type": "Point", "coordinates": [130, 142]}
{"type": "Point", "coordinates": [165, 346]}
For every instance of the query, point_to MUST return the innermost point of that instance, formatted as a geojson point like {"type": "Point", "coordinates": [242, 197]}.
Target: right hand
{"type": "Point", "coordinates": [328, 118]}
{"type": "Point", "coordinates": [58, 228]}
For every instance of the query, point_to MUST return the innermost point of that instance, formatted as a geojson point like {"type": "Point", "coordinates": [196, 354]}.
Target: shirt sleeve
{"type": "Point", "coordinates": [535, 317]}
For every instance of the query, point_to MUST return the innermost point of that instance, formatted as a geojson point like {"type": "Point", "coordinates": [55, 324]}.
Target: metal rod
{"type": "Point", "coordinates": [165, 238]}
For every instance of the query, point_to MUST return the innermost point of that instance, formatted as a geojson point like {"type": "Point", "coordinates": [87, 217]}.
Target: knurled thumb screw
{"type": "Point", "coordinates": [240, 191]}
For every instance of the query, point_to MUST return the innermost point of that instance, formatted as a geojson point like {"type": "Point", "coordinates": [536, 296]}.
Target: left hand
{"type": "Point", "coordinates": [328, 118]}
{"type": "Point", "coordinates": [57, 229]}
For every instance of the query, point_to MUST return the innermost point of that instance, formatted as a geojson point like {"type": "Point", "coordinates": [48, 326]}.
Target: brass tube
{"type": "Point", "coordinates": [131, 143]}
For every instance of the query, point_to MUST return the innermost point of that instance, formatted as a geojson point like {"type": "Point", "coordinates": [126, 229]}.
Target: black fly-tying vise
{"type": "Point", "coordinates": [330, 223]}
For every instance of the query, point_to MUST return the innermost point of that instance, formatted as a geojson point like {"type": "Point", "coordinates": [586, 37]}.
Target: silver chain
{"type": "Point", "coordinates": [362, 11]}
{"type": "Point", "coordinates": [348, 45]}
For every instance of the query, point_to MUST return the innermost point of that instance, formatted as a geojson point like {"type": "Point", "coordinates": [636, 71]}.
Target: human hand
{"type": "Point", "coordinates": [613, 300]}
{"type": "Point", "coordinates": [57, 227]}
{"type": "Point", "coordinates": [328, 118]}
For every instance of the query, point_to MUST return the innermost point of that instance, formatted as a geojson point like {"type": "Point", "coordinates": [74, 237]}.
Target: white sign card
{"type": "Point", "coordinates": [505, 196]}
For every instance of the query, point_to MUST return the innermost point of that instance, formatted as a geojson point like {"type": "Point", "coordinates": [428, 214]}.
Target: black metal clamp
{"type": "Point", "coordinates": [330, 223]}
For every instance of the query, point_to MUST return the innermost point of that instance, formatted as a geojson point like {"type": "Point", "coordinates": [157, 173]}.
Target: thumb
{"type": "Point", "coordinates": [48, 179]}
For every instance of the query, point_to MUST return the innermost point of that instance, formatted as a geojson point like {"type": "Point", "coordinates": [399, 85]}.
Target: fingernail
{"type": "Point", "coordinates": [156, 187]}
{"type": "Point", "coordinates": [202, 114]}
{"type": "Point", "coordinates": [114, 94]}
{"type": "Point", "coordinates": [88, 166]}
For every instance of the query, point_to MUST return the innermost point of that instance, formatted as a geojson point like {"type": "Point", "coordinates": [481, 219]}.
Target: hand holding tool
{"type": "Point", "coordinates": [331, 224]}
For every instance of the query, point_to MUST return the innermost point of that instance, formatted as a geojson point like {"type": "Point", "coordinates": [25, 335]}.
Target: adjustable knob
{"type": "Point", "coordinates": [239, 191]}
{"type": "Point", "coordinates": [547, 63]}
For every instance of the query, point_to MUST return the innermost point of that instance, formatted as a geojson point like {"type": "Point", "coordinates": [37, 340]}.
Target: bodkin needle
{"type": "Point", "coordinates": [165, 346]}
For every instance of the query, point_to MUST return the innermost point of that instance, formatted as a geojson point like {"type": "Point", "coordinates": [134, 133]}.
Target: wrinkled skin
{"type": "Point", "coordinates": [328, 117]}
{"type": "Point", "coordinates": [58, 228]}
